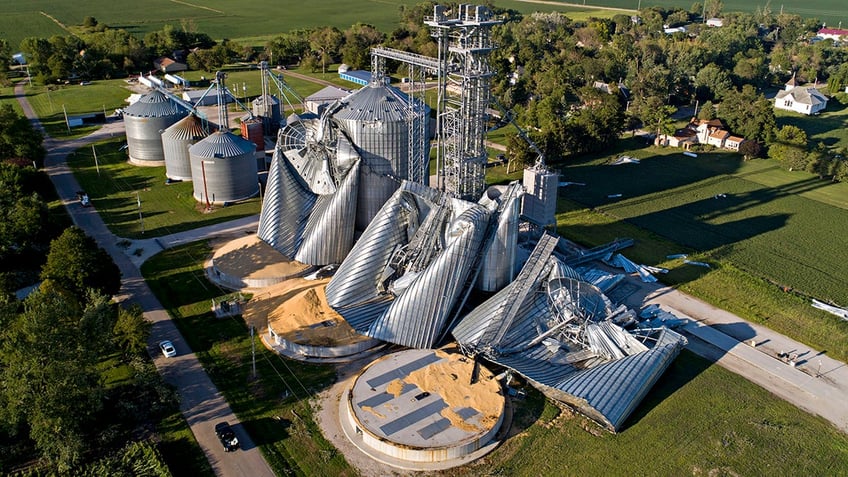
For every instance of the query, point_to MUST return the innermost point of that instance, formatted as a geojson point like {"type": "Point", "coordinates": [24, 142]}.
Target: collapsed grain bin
{"type": "Point", "coordinates": [223, 168]}
{"type": "Point", "coordinates": [562, 334]}
{"type": "Point", "coordinates": [145, 120]}
{"type": "Point", "coordinates": [176, 140]}
{"type": "Point", "coordinates": [387, 133]}
{"type": "Point", "coordinates": [411, 266]}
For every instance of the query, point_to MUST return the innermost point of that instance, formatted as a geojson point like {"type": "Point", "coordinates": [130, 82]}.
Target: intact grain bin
{"type": "Point", "coordinates": [175, 141]}
{"type": "Point", "coordinates": [144, 121]}
{"type": "Point", "coordinates": [268, 108]}
{"type": "Point", "coordinates": [223, 168]}
{"type": "Point", "coordinates": [377, 119]}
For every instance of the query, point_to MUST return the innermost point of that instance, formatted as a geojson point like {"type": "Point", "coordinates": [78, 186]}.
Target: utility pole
{"type": "Point", "coordinates": [253, 350]}
{"type": "Point", "coordinates": [140, 218]}
{"type": "Point", "coordinates": [96, 165]}
{"type": "Point", "coordinates": [67, 124]}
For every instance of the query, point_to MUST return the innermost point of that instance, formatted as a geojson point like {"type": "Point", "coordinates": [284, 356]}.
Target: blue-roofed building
{"type": "Point", "coordinates": [360, 77]}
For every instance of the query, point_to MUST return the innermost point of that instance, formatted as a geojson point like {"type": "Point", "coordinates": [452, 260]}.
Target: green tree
{"type": "Point", "coordinates": [51, 386]}
{"type": "Point", "coordinates": [76, 263]}
{"type": "Point", "coordinates": [359, 39]}
{"type": "Point", "coordinates": [712, 82]}
{"type": "Point", "coordinates": [748, 114]}
{"type": "Point", "coordinates": [18, 139]}
{"type": "Point", "coordinates": [325, 42]}
{"type": "Point", "coordinates": [132, 330]}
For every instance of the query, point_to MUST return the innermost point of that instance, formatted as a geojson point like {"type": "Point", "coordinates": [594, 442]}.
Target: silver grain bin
{"type": "Point", "coordinates": [268, 108]}
{"type": "Point", "coordinates": [223, 168]}
{"type": "Point", "coordinates": [175, 142]}
{"type": "Point", "coordinates": [144, 121]}
{"type": "Point", "coordinates": [378, 120]}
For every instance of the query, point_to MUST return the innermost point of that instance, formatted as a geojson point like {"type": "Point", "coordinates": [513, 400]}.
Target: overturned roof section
{"type": "Point", "coordinates": [554, 329]}
{"type": "Point", "coordinates": [405, 274]}
{"type": "Point", "coordinates": [310, 202]}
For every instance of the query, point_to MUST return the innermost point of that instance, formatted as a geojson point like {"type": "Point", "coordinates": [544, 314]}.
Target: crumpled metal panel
{"type": "Point", "coordinates": [498, 267]}
{"type": "Point", "coordinates": [417, 315]}
{"type": "Point", "coordinates": [287, 203]}
{"type": "Point", "coordinates": [328, 235]}
{"type": "Point", "coordinates": [607, 385]}
{"type": "Point", "coordinates": [305, 226]}
{"type": "Point", "coordinates": [609, 392]}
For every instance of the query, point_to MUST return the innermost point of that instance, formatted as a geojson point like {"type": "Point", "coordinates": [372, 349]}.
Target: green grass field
{"type": "Point", "coordinates": [254, 21]}
{"type": "Point", "coordinates": [698, 420]}
{"type": "Point", "coordinates": [51, 105]}
{"type": "Point", "coordinates": [166, 209]}
{"type": "Point", "coordinates": [830, 127]}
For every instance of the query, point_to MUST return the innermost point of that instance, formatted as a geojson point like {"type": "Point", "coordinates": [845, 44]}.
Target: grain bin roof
{"type": "Point", "coordinates": [374, 102]}
{"type": "Point", "coordinates": [153, 105]}
{"type": "Point", "coordinates": [188, 128]}
{"type": "Point", "coordinates": [222, 144]}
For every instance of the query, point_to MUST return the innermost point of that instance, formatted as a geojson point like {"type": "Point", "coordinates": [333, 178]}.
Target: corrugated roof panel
{"type": "Point", "coordinates": [222, 144]}
{"type": "Point", "coordinates": [154, 105]}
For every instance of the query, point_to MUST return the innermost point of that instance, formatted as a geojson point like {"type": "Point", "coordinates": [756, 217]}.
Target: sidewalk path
{"type": "Point", "coordinates": [201, 402]}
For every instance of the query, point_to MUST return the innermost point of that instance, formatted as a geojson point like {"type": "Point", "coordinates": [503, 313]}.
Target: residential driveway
{"type": "Point", "coordinates": [200, 401]}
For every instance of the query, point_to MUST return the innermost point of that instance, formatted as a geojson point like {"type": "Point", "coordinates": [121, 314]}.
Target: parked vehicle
{"type": "Point", "coordinates": [227, 436]}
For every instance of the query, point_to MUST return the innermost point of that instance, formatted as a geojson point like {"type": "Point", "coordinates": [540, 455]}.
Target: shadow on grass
{"type": "Point", "coordinates": [266, 431]}
{"type": "Point", "coordinates": [686, 367]}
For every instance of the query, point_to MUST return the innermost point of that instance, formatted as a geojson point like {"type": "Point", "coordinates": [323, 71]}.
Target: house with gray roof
{"type": "Point", "coordinates": [800, 99]}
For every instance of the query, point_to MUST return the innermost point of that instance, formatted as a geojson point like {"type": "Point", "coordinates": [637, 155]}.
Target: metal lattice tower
{"type": "Point", "coordinates": [418, 67]}
{"type": "Point", "coordinates": [464, 43]}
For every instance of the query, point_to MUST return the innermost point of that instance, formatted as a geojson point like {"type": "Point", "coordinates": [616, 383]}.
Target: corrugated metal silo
{"type": "Point", "coordinates": [144, 121]}
{"type": "Point", "coordinates": [268, 108]}
{"type": "Point", "coordinates": [175, 141]}
{"type": "Point", "coordinates": [223, 168]}
{"type": "Point", "coordinates": [376, 118]}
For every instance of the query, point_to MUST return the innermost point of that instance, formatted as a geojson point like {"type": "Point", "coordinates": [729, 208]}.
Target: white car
{"type": "Point", "coordinates": [167, 349]}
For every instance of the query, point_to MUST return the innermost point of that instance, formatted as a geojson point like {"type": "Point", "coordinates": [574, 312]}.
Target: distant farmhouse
{"type": "Point", "coordinates": [835, 34]}
{"type": "Point", "coordinates": [167, 65]}
{"type": "Point", "coordinates": [701, 131]}
{"type": "Point", "coordinates": [800, 99]}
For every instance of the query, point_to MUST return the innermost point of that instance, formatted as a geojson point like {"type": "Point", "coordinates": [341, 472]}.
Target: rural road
{"type": "Point", "coordinates": [200, 401]}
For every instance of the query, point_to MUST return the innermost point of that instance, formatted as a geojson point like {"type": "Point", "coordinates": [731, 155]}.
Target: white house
{"type": "Point", "coordinates": [800, 99]}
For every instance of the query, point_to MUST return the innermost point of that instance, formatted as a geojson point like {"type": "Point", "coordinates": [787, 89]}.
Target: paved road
{"type": "Point", "coordinates": [201, 402]}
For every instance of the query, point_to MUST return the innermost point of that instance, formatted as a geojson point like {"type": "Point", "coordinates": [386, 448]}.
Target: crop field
{"type": "Point", "coordinates": [788, 228]}
{"type": "Point", "coordinates": [253, 21]}
{"type": "Point", "coordinates": [829, 11]}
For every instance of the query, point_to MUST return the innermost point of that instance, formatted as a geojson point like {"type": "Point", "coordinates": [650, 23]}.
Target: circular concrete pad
{"type": "Point", "coordinates": [422, 406]}
{"type": "Point", "coordinates": [249, 262]}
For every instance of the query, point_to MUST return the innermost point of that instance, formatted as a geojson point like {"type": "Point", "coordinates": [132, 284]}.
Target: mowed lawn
{"type": "Point", "coordinates": [165, 209]}
{"type": "Point", "coordinates": [102, 96]}
{"type": "Point", "coordinates": [786, 227]}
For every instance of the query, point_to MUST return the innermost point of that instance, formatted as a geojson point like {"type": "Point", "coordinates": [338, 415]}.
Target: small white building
{"type": "Point", "coordinates": [800, 99]}
{"type": "Point", "coordinates": [835, 34]}
{"type": "Point", "coordinates": [715, 22]}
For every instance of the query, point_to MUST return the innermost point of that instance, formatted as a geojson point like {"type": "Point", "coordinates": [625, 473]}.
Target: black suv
{"type": "Point", "coordinates": [226, 436]}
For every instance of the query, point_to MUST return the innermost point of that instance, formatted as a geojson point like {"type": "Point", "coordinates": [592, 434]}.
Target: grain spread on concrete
{"type": "Point", "coordinates": [297, 310]}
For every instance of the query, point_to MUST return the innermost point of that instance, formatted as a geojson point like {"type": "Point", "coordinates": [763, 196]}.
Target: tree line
{"type": "Point", "coordinates": [57, 417]}
{"type": "Point", "coordinates": [546, 78]}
